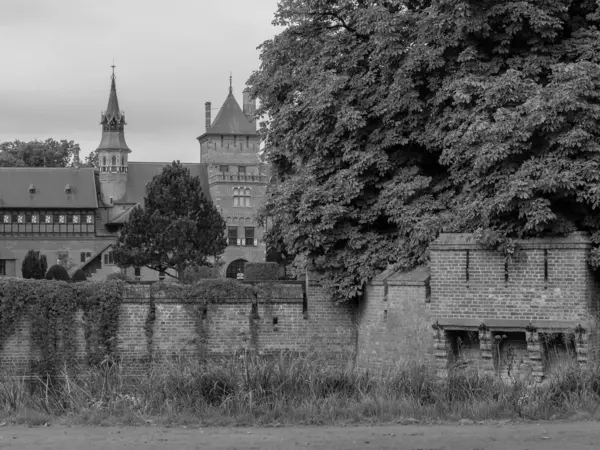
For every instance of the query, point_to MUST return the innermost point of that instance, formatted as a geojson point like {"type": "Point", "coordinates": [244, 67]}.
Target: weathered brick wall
{"type": "Point", "coordinates": [395, 321]}
{"type": "Point", "coordinates": [512, 304]}
{"type": "Point", "coordinates": [279, 322]}
{"type": "Point", "coordinates": [566, 294]}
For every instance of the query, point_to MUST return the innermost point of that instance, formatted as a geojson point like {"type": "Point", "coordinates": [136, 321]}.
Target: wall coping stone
{"type": "Point", "coordinates": [504, 324]}
{"type": "Point", "coordinates": [466, 241]}
{"type": "Point", "coordinates": [221, 301]}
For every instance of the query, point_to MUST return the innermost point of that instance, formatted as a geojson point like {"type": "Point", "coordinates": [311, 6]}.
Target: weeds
{"type": "Point", "coordinates": [252, 390]}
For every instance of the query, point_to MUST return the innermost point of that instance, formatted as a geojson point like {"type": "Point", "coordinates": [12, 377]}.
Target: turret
{"type": "Point", "coordinates": [113, 150]}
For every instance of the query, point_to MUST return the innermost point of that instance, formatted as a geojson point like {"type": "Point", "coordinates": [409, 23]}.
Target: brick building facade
{"type": "Point", "coordinates": [73, 215]}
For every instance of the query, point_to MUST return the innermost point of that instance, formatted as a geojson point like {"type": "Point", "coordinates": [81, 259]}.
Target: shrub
{"type": "Point", "coordinates": [32, 266]}
{"type": "Point", "coordinates": [118, 276]}
{"type": "Point", "coordinates": [261, 271]}
{"type": "Point", "coordinates": [78, 276]}
{"type": "Point", "coordinates": [57, 272]}
{"type": "Point", "coordinates": [192, 275]}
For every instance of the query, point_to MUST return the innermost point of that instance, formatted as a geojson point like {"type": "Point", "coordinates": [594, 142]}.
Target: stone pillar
{"type": "Point", "coordinates": [440, 350]}
{"type": "Point", "coordinates": [534, 350]}
{"type": "Point", "coordinates": [486, 363]}
{"type": "Point", "coordinates": [581, 345]}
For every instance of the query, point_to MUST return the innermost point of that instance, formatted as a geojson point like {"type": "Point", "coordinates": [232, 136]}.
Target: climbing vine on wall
{"type": "Point", "coordinates": [50, 307]}
{"type": "Point", "coordinates": [198, 297]}
{"type": "Point", "coordinates": [101, 305]}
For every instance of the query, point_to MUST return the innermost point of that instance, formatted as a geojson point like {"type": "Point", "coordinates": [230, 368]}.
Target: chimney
{"type": "Point", "coordinates": [207, 114]}
{"type": "Point", "coordinates": [76, 161]}
{"type": "Point", "coordinates": [249, 105]}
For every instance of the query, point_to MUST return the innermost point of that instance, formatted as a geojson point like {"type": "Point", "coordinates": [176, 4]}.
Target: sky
{"type": "Point", "coordinates": [170, 56]}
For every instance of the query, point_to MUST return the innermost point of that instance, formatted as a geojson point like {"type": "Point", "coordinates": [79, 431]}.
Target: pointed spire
{"type": "Point", "coordinates": [113, 121]}
{"type": "Point", "coordinates": [230, 84]}
{"type": "Point", "coordinates": [112, 110]}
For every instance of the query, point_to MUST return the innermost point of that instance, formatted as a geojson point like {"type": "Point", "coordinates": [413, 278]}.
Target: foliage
{"type": "Point", "coordinates": [31, 267]}
{"type": "Point", "coordinates": [261, 271]}
{"type": "Point", "coordinates": [101, 305]}
{"type": "Point", "coordinates": [78, 276]}
{"type": "Point", "coordinates": [48, 153]}
{"type": "Point", "coordinates": [390, 122]}
{"type": "Point", "coordinates": [178, 227]}
{"type": "Point", "coordinates": [43, 264]}
{"type": "Point", "coordinates": [118, 276]}
{"type": "Point", "coordinates": [192, 275]}
{"type": "Point", "coordinates": [50, 307]}
{"type": "Point", "coordinates": [291, 388]}
{"type": "Point", "coordinates": [57, 272]}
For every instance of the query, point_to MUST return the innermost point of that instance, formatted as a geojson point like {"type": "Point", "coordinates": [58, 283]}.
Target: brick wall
{"type": "Point", "coordinates": [394, 321]}
{"type": "Point", "coordinates": [282, 323]}
{"type": "Point", "coordinates": [564, 292]}
{"type": "Point", "coordinates": [546, 288]}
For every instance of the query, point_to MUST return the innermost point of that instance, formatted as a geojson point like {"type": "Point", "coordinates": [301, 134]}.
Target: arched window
{"type": "Point", "coordinates": [104, 160]}
{"type": "Point", "coordinates": [113, 161]}
{"type": "Point", "coordinates": [241, 196]}
{"type": "Point", "coordinates": [235, 270]}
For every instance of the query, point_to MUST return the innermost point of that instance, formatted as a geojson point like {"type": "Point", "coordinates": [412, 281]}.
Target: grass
{"type": "Point", "coordinates": [253, 390]}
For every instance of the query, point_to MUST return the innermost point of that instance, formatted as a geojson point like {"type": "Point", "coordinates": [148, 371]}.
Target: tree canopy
{"type": "Point", "coordinates": [391, 121]}
{"type": "Point", "coordinates": [48, 153]}
{"type": "Point", "coordinates": [176, 228]}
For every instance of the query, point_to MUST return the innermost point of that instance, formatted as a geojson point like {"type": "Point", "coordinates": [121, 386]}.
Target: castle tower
{"type": "Point", "coordinates": [112, 151]}
{"type": "Point", "coordinates": [230, 148]}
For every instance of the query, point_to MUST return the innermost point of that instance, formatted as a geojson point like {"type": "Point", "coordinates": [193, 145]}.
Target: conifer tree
{"type": "Point", "coordinates": [31, 266]}
{"type": "Point", "coordinates": [177, 227]}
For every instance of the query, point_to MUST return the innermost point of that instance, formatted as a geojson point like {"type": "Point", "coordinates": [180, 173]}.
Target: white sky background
{"type": "Point", "coordinates": [170, 57]}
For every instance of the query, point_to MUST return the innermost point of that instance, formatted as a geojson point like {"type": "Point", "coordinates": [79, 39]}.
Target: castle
{"type": "Point", "coordinates": [73, 215]}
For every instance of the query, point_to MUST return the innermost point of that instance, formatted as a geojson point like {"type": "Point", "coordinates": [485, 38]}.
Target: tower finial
{"type": "Point", "coordinates": [230, 83]}
{"type": "Point", "coordinates": [113, 70]}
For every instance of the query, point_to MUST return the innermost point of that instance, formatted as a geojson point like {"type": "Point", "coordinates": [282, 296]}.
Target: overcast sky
{"type": "Point", "coordinates": [170, 57]}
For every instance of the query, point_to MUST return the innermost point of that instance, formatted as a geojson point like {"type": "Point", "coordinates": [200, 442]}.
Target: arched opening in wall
{"type": "Point", "coordinates": [236, 268]}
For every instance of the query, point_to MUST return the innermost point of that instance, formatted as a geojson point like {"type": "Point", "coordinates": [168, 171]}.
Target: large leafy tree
{"type": "Point", "coordinates": [176, 228]}
{"type": "Point", "coordinates": [48, 153]}
{"type": "Point", "coordinates": [390, 121]}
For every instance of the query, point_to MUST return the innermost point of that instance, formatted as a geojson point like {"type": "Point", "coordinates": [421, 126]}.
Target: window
{"type": "Point", "coordinates": [249, 235]}
{"type": "Point", "coordinates": [235, 269]}
{"type": "Point", "coordinates": [89, 219]}
{"type": "Point", "coordinates": [75, 218]}
{"type": "Point", "coordinates": [137, 271]}
{"type": "Point", "coordinates": [223, 169]}
{"type": "Point", "coordinates": [82, 256]}
{"type": "Point", "coordinates": [47, 218]}
{"type": "Point", "coordinates": [113, 161]}
{"type": "Point", "coordinates": [28, 217]}
{"type": "Point", "coordinates": [104, 160]}
{"type": "Point", "coordinates": [241, 196]}
{"type": "Point", "coordinates": [232, 235]}
{"type": "Point", "coordinates": [242, 170]}
{"type": "Point", "coordinates": [161, 275]}
{"type": "Point", "coordinates": [6, 218]}
{"type": "Point", "coordinates": [109, 258]}
{"type": "Point", "coordinates": [2, 267]}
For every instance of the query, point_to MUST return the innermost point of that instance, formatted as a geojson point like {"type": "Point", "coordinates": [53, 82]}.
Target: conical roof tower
{"type": "Point", "coordinates": [113, 122]}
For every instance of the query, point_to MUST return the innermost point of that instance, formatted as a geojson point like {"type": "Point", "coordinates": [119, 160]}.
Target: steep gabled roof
{"type": "Point", "coordinates": [49, 186]}
{"type": "Point", "coordinates": [231, 119]}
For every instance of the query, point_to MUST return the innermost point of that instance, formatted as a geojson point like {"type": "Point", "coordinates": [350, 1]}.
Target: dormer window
{"type": "Point", "coordinates": [31, 189]}
{"type": "Point", "coordinates": [68, 189]}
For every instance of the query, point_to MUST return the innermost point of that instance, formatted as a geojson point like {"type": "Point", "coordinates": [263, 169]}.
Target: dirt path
{"type": "Point", "coordinates": [570, 436]}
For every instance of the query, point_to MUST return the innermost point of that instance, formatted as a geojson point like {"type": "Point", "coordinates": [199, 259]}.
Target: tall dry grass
{"type": "Point", "coordinates": [290, 389]}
